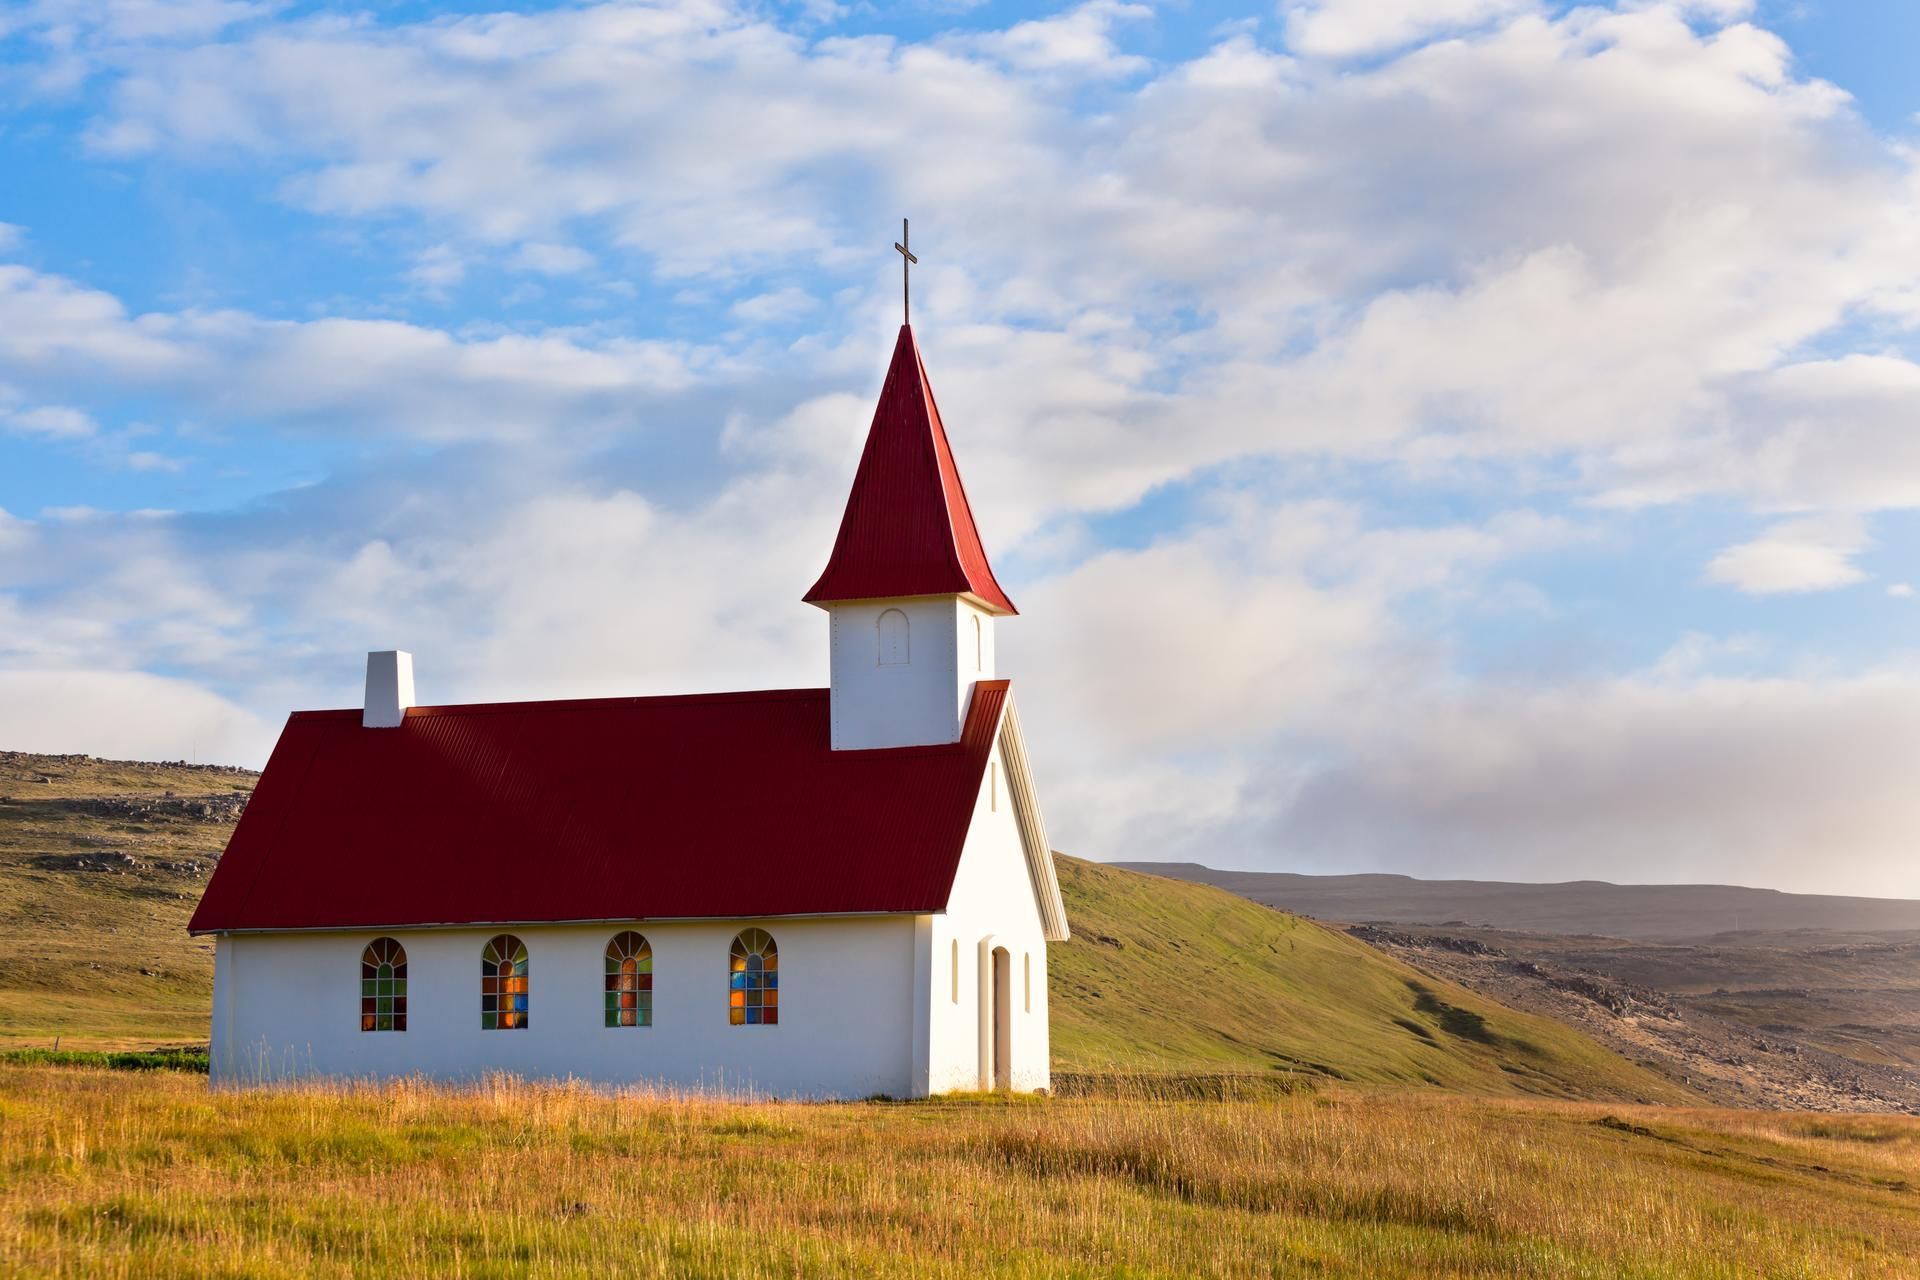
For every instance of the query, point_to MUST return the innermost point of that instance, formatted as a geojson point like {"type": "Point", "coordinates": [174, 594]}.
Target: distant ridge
{"type": "Point", "coordinates": [1652, 913]}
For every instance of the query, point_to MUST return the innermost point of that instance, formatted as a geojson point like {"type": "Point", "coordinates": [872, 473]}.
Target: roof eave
{"type": "Point", "coordinates": [826, 600]}
{"type": "Point", "coordinates": [557, 924]}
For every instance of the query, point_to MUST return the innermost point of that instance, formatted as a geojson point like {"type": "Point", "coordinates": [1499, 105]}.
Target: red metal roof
{"type": "Point", "coordinates": [719, 805]}
{"type": "Point", "coordinates": [908, 530]}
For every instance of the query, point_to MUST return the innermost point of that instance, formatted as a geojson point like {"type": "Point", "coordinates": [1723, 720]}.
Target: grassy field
{"type": "Point", "coordinates": [139, 1174]}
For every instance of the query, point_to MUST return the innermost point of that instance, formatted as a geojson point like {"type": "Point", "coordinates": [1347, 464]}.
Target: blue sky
{"type": "Point", "coordinates": [1460, 437]}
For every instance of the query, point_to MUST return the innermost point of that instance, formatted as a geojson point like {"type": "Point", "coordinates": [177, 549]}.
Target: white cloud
{"type": "Point", "coordinates": [1712, 10]}
{"type": "Point", "coordinates": [1901, 590]}
{"type": "Point", "coordinates": [777, 307]}
{"type": "Point", "coordinates": [1813, 554]}
{"type": "Point", "coordinates": [552, 259]}
{"type": "Point", "coordinates": [92, 24]}
{"type": "Point", "coordinates": [1344, 28]}
{"type": "Point", "coordinates": [12, 236]}
{"type": "Point", "coordinates": [438, 268]}
{"type": "Point", "coordinates": [14, 532]}
{"type": "Point", "coordinates": [1797, 783]}
{"type": "Point", "coordinates": [1830, 433]}
{"type": "Point", "coordinates": [53, 421]}
{"type": "Point", "coordinates": [1078, 41]}
{"type": "Point", "coordinates": [329, 375]}
{"type": "Point", "coordinates": [126, 715]}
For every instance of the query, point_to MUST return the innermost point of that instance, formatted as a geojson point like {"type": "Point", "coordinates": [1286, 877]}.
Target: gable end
{"type": "Point", "coordinates": [1033, 828]}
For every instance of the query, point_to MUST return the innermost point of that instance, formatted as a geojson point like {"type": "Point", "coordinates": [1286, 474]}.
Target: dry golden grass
{"type": "Point", "coordinates": [105, 1174]}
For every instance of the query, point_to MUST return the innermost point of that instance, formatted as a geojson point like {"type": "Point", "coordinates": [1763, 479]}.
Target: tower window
{"type": "Point", "coordinates": [1026, 978]}
{"type": "Point", "coordinates": [993, 785]}
{"type": "Point", "coordinates": [979, 646]}
{"type": "Point", "coordinates": [895, 645]}
{"type": "Point", "coordinates": [956, 971]}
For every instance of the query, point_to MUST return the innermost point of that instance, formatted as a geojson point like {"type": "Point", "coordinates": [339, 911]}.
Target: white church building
{"type": "Point", "coordinates": [833, 892]}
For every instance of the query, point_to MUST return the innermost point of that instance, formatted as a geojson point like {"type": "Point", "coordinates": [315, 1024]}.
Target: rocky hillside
{"type": "Point", "coordinates": [1800, 1021]}
{"type": "Point", "coordinates": [1645, 912]}
{"type": "Point", "coordinates": [101, 862]}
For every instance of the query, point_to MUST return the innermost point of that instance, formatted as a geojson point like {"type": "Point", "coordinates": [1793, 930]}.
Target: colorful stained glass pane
{"type": "Point", "coordinates": [382, 992]}
{"type": "Point", "coordinates": [753, 961]}
{"type": "Point", "coordinates": [629, 980]}
{"type": "Point", "coordinates": [503, 983]}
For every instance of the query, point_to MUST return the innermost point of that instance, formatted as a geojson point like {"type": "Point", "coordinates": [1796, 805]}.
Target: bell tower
{"type": "Point", "coordinates": [909, 595]}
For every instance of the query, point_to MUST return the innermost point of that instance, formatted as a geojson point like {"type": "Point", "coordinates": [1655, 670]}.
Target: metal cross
{"type": "Point", "coordinates": [906, 257]}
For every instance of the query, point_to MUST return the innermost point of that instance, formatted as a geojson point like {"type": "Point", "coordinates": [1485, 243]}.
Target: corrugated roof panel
{"type": "Point", "coordinates": [722, 805]}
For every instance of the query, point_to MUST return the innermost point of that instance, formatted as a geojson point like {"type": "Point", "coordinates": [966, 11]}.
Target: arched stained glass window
{"type": "Point", "coordinates": [503, 984]}
{"type": "Point", "coordinates": [753, 998]}
{"type": "Point", "coordinates": [629, 981]}
{"type": "Point", "coordinates": [383, 986]}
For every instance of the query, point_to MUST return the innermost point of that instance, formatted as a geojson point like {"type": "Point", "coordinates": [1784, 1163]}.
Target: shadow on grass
{"type": "Point", "coordinates": [190, 1059]}
{"type": "Point", "coordinates": [1454, 1020]}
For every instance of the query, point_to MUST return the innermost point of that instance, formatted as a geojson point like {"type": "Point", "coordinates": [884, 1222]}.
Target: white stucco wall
{"type": "Point", "coordinates": [288, 1005]}
{"type": "Point", "coordinates": [917, 702]}
{"type": "Point", "coordinates": [992, 905]}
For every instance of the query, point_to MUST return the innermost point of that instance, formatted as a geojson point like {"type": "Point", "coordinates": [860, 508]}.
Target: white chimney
{"type": "Point", "coordinates": [389, 688]}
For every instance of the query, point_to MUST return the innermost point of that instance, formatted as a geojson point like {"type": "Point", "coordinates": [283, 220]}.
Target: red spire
{"type": "Point", "coordinates": [908, 530]}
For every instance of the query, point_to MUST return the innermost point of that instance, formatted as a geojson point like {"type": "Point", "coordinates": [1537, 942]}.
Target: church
{"type": "Point", "coordinates": [798, 893]}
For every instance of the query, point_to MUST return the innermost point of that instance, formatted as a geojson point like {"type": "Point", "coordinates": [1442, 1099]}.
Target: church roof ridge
{"type": "Point", "coordinates": [581, 704]}
{"type": "Point", "coordinates": [908, 527]}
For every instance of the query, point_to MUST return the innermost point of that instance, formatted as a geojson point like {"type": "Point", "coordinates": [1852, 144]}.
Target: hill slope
{"type": "Point", "coordinates": [1648, 912]}
{"type": "Point", "coordinates": [101, 863]}
{"type": "Point", "coordinates": [1165, 975]}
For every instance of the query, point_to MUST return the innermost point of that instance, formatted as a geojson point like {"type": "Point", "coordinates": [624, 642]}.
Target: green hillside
{"type": "Point", "coordinates": [1169, 975]}
{"type": "Point", "coordinates": [101, 863]}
